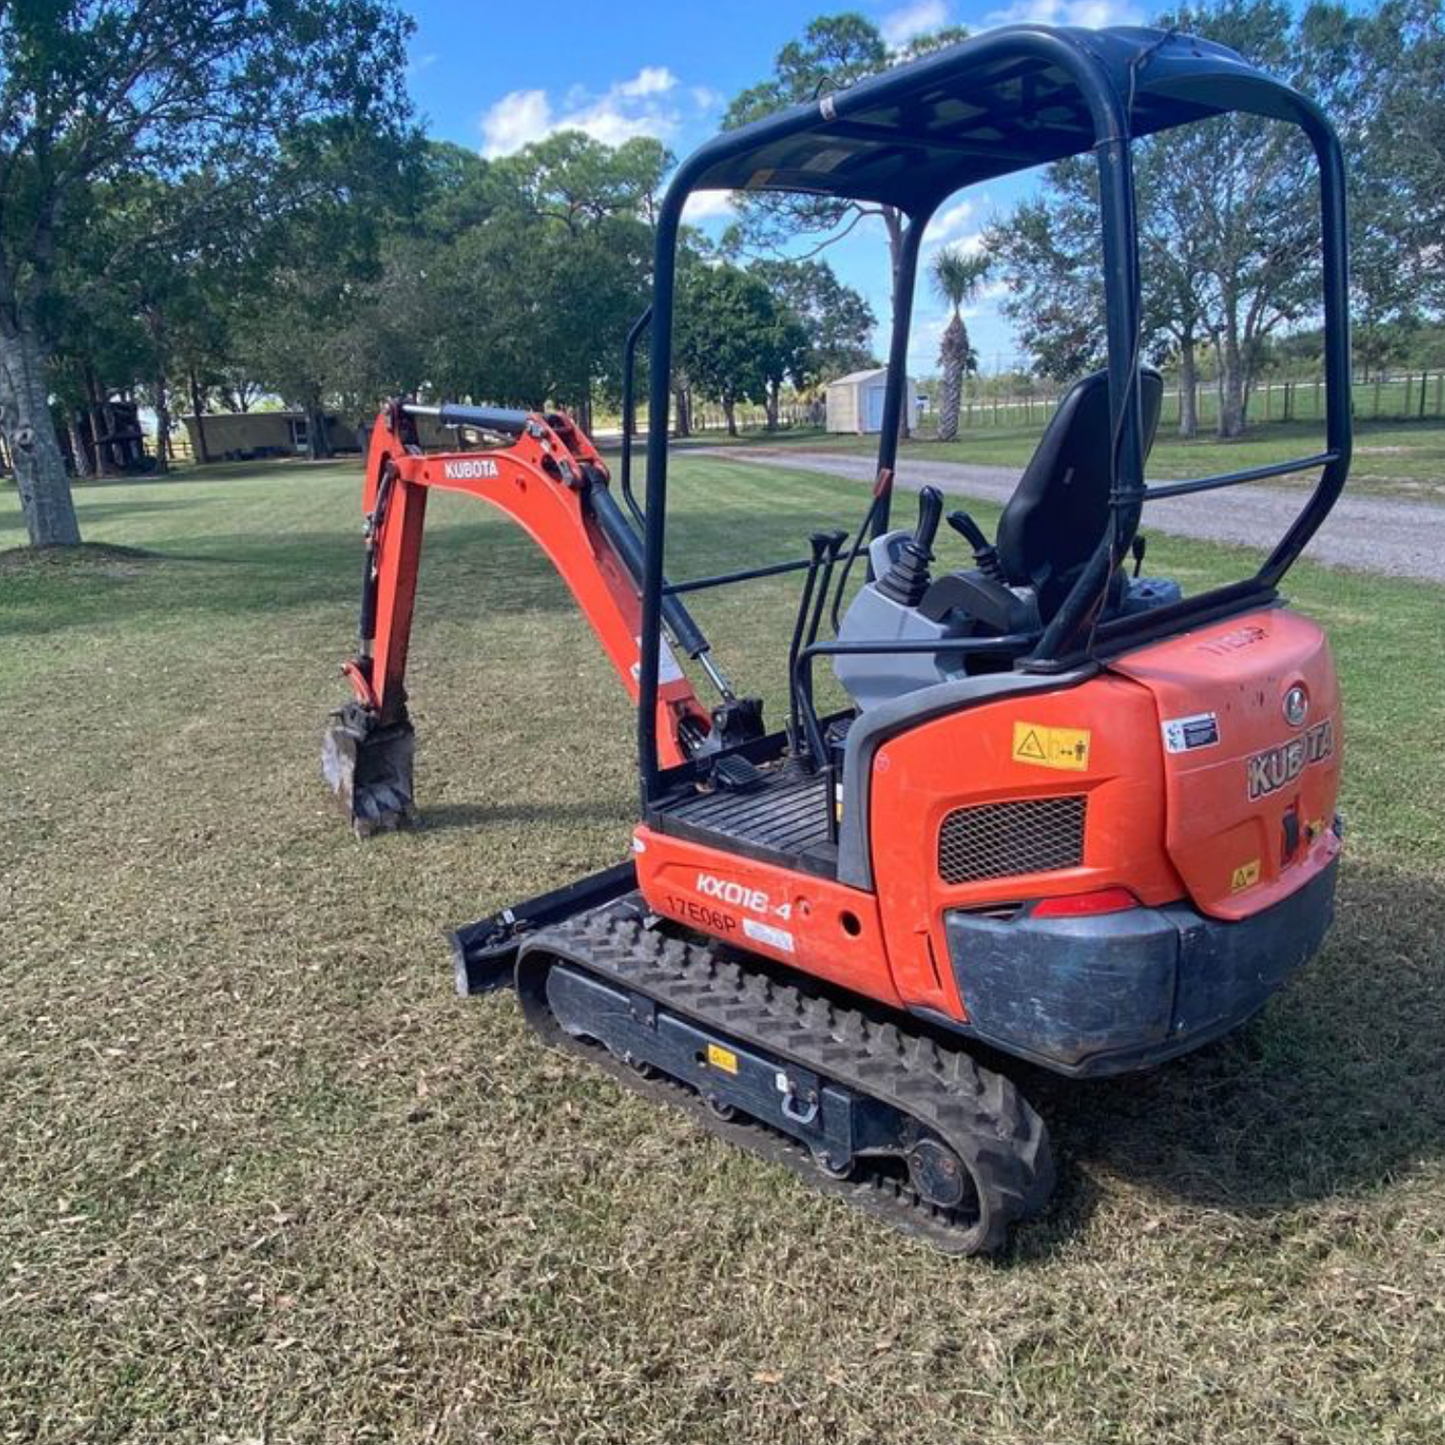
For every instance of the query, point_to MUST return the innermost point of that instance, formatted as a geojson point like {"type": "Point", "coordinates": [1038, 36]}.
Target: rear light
{"type": "Point", "coordinates": [1083, 905]}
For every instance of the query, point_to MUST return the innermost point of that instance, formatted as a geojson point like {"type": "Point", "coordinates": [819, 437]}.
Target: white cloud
{"type": "Point", "coordinates": [650, 80]}
{"type": "Point", "coordinates": [516, 120]}
{"type": "Point", "coordinates": [950, 223]}
{"type": "Point", "coordinates": [901, 25]}
{"type": "Point", "coordinates": [629, 108]}
{"type": "Point", "coordinates": [957, 226]}
{"type": "Point", "coordinates": [1091, 13]}
{"type": "Point", "coordinates": [708, 206]}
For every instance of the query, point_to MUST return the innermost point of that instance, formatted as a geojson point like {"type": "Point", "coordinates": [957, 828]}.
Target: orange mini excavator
{"type": "Point", "coordinates": [1070, 815]}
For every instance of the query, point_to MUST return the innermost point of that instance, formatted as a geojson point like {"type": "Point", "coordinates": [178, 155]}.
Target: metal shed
{"type": "Point", "coordinates": [855, 401]}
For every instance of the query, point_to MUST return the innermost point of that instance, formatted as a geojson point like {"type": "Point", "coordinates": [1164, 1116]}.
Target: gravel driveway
{"type": "Point", "coordinates": [1370, 534]}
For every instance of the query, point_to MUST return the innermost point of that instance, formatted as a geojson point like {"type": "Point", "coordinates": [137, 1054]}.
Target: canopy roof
{"type": "Point", "coordinates": [1000, 102]}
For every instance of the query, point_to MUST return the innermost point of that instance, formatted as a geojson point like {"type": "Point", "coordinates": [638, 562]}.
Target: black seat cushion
{"type": "Point", "coordinates": [1060, 508]}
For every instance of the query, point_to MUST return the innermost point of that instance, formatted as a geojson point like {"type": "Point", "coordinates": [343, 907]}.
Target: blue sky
{"type": "Point", "coordinates": [496, 77]}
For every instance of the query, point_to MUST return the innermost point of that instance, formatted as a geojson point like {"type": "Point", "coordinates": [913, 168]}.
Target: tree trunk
{"type": "Point", "coordinates": [163, 425]}
{"type": "Point", "coordinates": [78, 453]}
{"type": "Point", "coordinates": [731, 413]}
{"type": "Point", "coordinates": [1188, 390]}
{"type": "Point", "coordinates": [203, 452]}
{"type": "Point", "coordinates": [29, 427]}
{"type": "Point", "coordinates": [95, 415]}
{"type": "Point", "coordinates": [318, 443]}
{"type": "Point", "coordinates": [682, 407]}
{"type": "Point", "coordinates": [1231, 379]}
{"type": "Point", "coordinates": [99, 430]}
{"type": "Point", "coordinates": [772, 403]}
{"type": "Point", "coordinates": [953, 352]}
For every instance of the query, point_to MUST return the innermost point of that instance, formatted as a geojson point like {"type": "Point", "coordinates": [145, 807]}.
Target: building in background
{"type": "Point", "coordinates": [246, 436]}
{"type": "Point", "coordinates": [855, 402]}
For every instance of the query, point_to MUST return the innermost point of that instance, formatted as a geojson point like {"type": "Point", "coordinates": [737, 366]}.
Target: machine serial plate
{"type": "Point", "coordinates": [1184, 734]}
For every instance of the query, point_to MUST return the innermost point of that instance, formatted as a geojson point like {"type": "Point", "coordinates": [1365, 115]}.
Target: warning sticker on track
{"type": "Point", "coordinates": [721, 1058]}
{"type": "Point", "coordinates": [1046, 747]}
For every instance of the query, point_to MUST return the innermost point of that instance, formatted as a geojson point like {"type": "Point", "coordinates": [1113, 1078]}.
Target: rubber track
{"type": "Point", "coordinates": [979, 1113]}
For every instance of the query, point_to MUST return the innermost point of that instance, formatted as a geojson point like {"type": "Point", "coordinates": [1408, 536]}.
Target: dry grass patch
{"type": "Point", "coordinates": [265, 1177]}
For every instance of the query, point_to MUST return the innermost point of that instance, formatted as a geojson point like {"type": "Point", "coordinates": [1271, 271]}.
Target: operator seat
{"type": "Point", "coordinates": [1060, 508]}
{"type": "Point", "coordinates": [1049, 530]}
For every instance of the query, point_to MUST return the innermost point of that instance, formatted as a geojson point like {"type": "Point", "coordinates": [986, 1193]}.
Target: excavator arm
{"type": "Point", "coordinates": [551, 481]}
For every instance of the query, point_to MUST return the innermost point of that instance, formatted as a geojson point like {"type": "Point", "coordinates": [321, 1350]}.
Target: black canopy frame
{"type": "Point", "coordinates": [1005, 101]}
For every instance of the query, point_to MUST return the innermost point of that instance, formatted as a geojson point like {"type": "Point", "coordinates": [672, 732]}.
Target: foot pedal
{"type": "Point", "coordinates": [735, 773]}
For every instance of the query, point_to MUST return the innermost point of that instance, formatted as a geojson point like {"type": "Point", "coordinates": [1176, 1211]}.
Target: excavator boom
{"type": "Point", "coordinates": [550, 479]}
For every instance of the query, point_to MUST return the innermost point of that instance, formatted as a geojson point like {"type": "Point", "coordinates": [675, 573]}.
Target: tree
{"type": "Point", "coordinates": [146, 278]}
{"type": "Point", "coordinates": [838, 320]}
{"type": "Point", "coordinates": [100, 91]}
{"type": "Point", "coordinates": [1049, 252]}
{"type": "Point", "coordinates": [785, 358]}
{"type": "Point", "coordinates": [957, 277]}
{"type": "Point", "coordinates": [1247, 184]}
{"type": "Point", "coordinates": [728, 336]}
{"type": "Point", "coordinates": [835, 52]}
{"type": "Point", "coordinates": [1228, 232]}
{"type": "Point", "coordinates": [1174, 260]}
{"type": "Point", "coordinates": [587, 209]}
{"type": "Point", "coordinates": [293, 332]}
{"type": "Point", "coordinates": [1380, 76]}
{"type": "Point", "coordinates": [533, 298]}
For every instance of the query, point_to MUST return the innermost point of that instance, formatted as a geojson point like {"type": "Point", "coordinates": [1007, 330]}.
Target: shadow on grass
{"type": "Point", "coordinates": [1336, 1088]}
{"type": "Point", "coordinates": [271, 469]}
{"type": "Point", "coordinates": [109, 511]}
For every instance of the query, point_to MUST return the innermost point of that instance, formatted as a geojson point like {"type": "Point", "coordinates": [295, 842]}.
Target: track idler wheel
{"type": "Point", "coordinates": [938, 1174]}
{"type": "Point", "coordinates": [368, 766]}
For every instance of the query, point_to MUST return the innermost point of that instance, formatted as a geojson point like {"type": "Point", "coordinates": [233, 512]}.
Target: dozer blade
{"type": "Point", "coordinates": [368, 767]}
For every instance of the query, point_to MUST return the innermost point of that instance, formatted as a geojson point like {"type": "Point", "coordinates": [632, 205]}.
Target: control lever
{"type": "Point", "coordinates": [930, 513]}
{"type": "Point", "coordinates": [984, 554]}
{"type": "Point", "coordinates": [908, 577]}
{"type": "Point", "coordinates": [1136, 547]}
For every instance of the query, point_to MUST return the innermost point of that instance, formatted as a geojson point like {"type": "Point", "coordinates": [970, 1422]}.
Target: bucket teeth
{"type": "Point", "coordinates": [368, 766]}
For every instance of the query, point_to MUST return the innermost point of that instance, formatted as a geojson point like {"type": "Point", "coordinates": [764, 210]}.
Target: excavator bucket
{"type": "Point", "coordinates": [368, 766]}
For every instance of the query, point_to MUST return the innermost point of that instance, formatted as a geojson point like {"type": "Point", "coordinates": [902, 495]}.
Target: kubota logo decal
{"type": "Point", "coordinates": [1276, 768]}
{"type": "Point", "coordinates": [469, 471]}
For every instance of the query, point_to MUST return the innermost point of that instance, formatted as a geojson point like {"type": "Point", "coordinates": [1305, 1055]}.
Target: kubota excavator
{"type": "Point", "coordinates": [1069, 815]}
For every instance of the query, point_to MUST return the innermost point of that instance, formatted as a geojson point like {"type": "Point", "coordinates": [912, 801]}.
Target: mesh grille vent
{"type": "Point", "coordinates": [1001, 840]}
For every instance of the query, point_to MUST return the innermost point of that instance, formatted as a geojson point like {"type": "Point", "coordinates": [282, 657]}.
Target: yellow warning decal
{"type": "Point", "coordinates": [721, 1058]}
{"type": "Point", "coordinates": [1245, 876]}
{"type": "Point", "coordinates": [1066, 748]}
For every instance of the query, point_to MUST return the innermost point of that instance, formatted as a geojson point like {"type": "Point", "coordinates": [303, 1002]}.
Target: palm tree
{"type": "Point", "coordinates": [956, 277]}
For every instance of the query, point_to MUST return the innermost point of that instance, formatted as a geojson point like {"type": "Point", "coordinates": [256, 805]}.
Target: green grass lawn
{"type": "Point", "coordinates": [266, 1178]}
{"type": "Point", "coordinates": [1400, 458]}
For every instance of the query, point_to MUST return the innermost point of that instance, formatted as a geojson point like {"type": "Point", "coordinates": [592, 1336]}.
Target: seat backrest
{"type": "Point", "coordinates": [1057, 514]}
